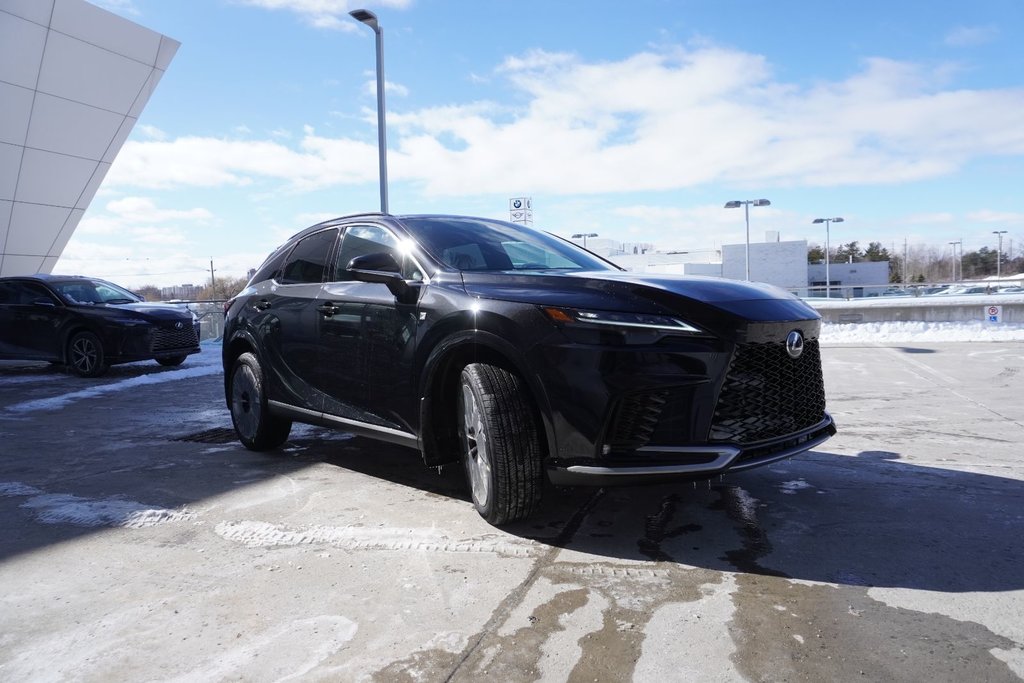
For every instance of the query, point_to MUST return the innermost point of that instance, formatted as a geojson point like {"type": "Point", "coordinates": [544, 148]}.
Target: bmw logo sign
{"type": "Point", "coordinates": [794, 344]}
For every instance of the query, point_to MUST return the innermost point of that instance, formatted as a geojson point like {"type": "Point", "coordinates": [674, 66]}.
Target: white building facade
{"type": "Point", "coordinates": [74, 79]}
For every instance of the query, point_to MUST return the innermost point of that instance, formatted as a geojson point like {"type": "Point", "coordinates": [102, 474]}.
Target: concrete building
{"type": "Point", "coordinates": [849, 280]}
{"type": "Point", "coordinates": [783, 264]}
{"type": "Point", "coordinates": [74, 79]}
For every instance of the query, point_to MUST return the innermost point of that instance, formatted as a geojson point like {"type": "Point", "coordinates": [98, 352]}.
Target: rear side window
{"type": "Point", "coordinates": [308, 260]}
{"type": "Point", "coordinates": [23, 293]}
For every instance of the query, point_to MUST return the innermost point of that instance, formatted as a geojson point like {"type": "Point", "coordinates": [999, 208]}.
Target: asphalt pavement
{"type": "Point", "coordinates": [141, 542]}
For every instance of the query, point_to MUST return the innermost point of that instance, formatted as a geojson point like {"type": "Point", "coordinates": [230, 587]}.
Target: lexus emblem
{"type": "Point", "coordinates": [178, 325]}
{"type": "Point", "coordinates": [794, 344]}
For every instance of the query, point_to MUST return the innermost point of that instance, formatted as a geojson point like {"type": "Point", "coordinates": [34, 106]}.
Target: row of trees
{"type": "Point", "coordinates": [923, 263]}
{"type": "Point", "coordinates": [224, 288]}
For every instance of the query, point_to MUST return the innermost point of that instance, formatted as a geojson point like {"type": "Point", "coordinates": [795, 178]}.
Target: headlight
{"type": "Point", "coordinates": [575, 316]}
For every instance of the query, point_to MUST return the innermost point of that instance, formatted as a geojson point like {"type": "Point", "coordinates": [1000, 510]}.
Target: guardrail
{"type": "Point", "coordinates": [993, 308]}
{"type": "Point", "coordinates": [210, 313]}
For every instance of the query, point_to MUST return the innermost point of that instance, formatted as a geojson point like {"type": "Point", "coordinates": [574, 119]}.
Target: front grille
{"type": "Point", "coordinates": [170, 339]}
{"type": "Point", "coordinates": [767, 394]}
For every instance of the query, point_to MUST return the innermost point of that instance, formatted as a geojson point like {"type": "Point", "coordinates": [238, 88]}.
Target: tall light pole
{"type": "Point", "coordinates": [584, 235]}
{"type": "Point", "coordinates": [828, 222]}
{"type": "Point", "coordinates": [370, 19]}
{"type": "Point", "coordinates": [745, 203]}
{"type": "Point", "coordinates": [999, 253]}
{"type": "Point", "coordinates": [954, 244]}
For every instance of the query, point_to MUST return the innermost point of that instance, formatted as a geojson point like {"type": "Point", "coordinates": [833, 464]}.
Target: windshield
{"type": "Point", "coordinates": [94, 292]}
{"type": "Point", "coordinates": [486, 245]}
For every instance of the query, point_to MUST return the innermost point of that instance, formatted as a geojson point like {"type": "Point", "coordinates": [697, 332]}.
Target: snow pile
{"type": "Point", "coordinates": [912, 331]}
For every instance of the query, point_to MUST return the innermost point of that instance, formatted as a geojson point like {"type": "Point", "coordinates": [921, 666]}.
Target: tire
{"type": "Point", "coordinates": [85, 355]}
{"type": "Point", "coordinates": [501, 448]}
{"type": "Point", "coordinates": [256, 428]}
{"type": "Point", "coordinates": [171, 362]}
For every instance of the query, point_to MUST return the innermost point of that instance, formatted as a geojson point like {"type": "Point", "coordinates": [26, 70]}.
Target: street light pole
{"type": "Point", "coordinates": [954, 245]}
{"type": "Point", "coordinates": [584, 235]}
{"type": "Point", "coordinates": [999, 253]}
{"type": "Point", "coordinates": [370, 19]}
{"type": "Point", "coordinates": [745, 203]}
{"type": "Point", "coordinates": [828, 279]}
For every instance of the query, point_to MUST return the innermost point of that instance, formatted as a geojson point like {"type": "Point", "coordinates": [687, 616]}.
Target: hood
{"type": "Point", "coordinates": [661, 294]}
{"type": "Point", "coordinates": [154, 312]}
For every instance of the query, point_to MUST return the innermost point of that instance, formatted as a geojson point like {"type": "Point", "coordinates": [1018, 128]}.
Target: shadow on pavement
{"type": "Point", "coordinates": [869, 520]}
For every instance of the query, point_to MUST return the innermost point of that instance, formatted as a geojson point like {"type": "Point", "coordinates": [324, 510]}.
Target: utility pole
{"type": "Point", "coordinates": [213, 281]}
{"type": "Point", "coordinates": [906, 266]}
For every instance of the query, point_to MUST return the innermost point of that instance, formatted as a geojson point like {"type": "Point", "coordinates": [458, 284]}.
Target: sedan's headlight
{"type": "Point", "coordinates": [130, 322]}
{"type": "Point", "coordinates": [615, 319]}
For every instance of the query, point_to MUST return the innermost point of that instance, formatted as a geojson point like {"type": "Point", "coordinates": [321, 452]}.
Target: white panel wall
{"type": "Point", "coordinates": [783, 264]}
{"type": "Point", "coordinates": [74, 79]}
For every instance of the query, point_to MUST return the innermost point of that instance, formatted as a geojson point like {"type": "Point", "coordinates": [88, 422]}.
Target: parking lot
{"type": "Point", "coordinates": [142, 542]}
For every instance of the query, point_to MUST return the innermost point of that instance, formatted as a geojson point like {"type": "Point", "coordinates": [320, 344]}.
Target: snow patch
{"type": "Point", "coordinates": [791, 487]}
{"type": "Point", "coordinates": [57, 402]}
{"type": "Point", "coordinates": [262, 534]}
{"type": "Point", "coordinates": [16, 488]}
{"type": "Point", "coordinates": [63, 508]}
{"type": "Point", "coordinates": [914, 331]}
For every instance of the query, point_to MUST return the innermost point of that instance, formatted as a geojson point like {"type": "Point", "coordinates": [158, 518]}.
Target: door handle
{"type": "Point", "coordinates": [328, 309]}
{"type": "Point", "coordinates": [261, 305]}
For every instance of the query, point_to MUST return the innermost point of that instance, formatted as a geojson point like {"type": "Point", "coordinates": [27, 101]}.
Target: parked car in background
{"type": "Point", "coordinates": [89, 324]}
{"type": "Point", "coordinates": [521, 354]}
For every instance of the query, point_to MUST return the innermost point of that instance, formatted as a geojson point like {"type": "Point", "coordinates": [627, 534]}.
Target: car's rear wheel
{"type": "Point", "coordinates": [171, 362]}
{"type": "Point", "coordinates": [85, 355]}
{"type": "Point", "coordinates": [501, 448]}
{"type": "Point", "coordinates": [257, 429]}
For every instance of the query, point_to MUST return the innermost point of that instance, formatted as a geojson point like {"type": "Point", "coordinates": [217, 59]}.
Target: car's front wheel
{"type": "Point", "coordinates": [257, 429]}
{"type": "Point", "coordinates": [501, 448]}
{"type": "Point", "coordinates": [85, 355]}
{"type": "Point", "coordinates": [171, 362]}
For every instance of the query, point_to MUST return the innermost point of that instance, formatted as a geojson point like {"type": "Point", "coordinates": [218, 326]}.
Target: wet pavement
{"type": "Point", "coordinates": [141, 542]}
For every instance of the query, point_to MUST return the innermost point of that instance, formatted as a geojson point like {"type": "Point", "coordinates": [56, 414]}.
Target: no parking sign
{"type": "Point", "coordinates": [994, 314]}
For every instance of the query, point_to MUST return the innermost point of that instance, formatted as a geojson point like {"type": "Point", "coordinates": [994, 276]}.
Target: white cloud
{"type": "Point", "coordinates": [966, 36]}
{"type": "Point", "coordinates": [370, 88]}
{"type": "Point", "coordinates": [989, 216]}
{"type": "Point", "coordinates": [151, 132]}
{"type": "Point", "coordinates": [936, 218]}
{"type": "Point", "coordinates": [324, 14]}
{"type": "Point", "coordinates": [653, 121]}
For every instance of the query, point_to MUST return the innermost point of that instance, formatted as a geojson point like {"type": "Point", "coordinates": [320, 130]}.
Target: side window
{"type": "Point", "coordinates": [8, 293]}
{"type": "Point", "coordinates": [23, 293]}
{"type": "Point", "coordinates": [32, 292]}
{"type": "Point", "coordinates": [308, 260]}
{"type": "Point", "coordinates": [360, 240]}
{"type": "Point", "coordinates": [271, 268]}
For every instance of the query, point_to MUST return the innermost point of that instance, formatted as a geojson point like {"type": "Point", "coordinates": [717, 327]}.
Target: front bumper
{"type": "Point", "coordinates": [692, 462]}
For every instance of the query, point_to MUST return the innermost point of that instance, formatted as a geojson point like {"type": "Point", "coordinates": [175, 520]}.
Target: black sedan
{"type": "Point", "coordinates": [89, 324]}
{"type": "Point", "coordinates": [522, 355]}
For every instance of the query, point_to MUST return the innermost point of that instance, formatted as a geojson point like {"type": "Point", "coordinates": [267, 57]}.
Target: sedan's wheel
{"type": "Point", "coordinates": [85, 355]}
{"type": "Point", "coordinates": [501, 447]}
{"type": "Point", "coordinates": [171, 362]}
{"type": "Point", "coordinates": [257, 429]}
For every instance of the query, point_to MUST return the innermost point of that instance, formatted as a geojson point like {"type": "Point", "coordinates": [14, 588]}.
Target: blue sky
{"type": "Point", "coordinates": [636, 121]}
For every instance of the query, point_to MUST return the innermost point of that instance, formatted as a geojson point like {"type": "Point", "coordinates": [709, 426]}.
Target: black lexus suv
{"type": "Point", "coordinates": [522, 355]}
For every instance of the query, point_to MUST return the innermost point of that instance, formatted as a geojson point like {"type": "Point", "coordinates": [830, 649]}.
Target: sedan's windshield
{"type": "Point", "coordinates": [94, 292]}
{"type": "Point", "coordinates": [483, 245]}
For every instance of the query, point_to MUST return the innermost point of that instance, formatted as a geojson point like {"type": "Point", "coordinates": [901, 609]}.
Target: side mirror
{"type": "Point", "coordinates": [379, 267]}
